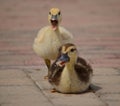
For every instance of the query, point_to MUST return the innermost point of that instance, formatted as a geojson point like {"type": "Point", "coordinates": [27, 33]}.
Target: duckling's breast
{"type": "Point", "coordinates": [70, 83]}
{"type": "Point", "coordinates": [48, 46]}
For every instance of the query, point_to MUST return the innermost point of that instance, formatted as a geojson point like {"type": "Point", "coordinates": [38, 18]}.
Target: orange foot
{"type": "Point", "coordinates": [53, 90]}
{"type": "Point", "coordinates": [46, 77]}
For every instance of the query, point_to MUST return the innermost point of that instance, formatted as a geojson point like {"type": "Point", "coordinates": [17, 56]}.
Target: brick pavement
{"type": "Point", "coordinates": [95, 25]}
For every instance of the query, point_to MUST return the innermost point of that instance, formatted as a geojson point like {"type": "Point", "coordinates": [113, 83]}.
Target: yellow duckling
{"type": "Point", "coordinates": [50, 38]}
{"type": "Point", "coordinates": [70, 73]}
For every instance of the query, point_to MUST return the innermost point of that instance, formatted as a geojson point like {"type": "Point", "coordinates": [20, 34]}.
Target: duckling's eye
{"type": "Point", "coordinates": [72, 50]}
{"type": "Point", "coordinates": [59, 13]}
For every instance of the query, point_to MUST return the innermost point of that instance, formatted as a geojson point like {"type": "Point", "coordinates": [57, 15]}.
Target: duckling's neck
{"type": "Point", "coordinates": [70, 65]}
{"type": "Point", "coordinates": [55, 29]}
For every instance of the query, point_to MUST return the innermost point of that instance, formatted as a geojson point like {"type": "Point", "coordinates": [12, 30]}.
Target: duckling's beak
{"type": "Point", "coordinates": [62, 60]}
{"type": "Point", "coordinates": [54, 22]}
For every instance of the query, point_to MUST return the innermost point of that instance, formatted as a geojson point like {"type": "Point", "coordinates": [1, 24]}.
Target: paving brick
{"type": "Point", "coordinates": [18, 89]}
{"type": "Point", "coordinates": [14, 81]}
{"type": "Point", "coordinates": [105, 72]}
{"type": "Point", "coordinates": [111, 99]}
{"type": "Point", "coordinates": [88, 99]}
{"type": "Point", "coordinates": [22, 96]}
{"type": "Point", "coordinates": [108, 89]}
{"type": "Point", "coordinates": [107, 79]}
{"type": "Point", "coordinates": [63, 99]}
{"type": "Point", "coordinates": [13, 77]}
{"type": "Point", "coordinates": [11, 73]}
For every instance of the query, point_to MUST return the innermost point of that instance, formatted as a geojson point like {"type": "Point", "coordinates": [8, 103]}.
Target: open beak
{"type": "Point", "coordinates": [54, 22]}
{"type": "Point", "coordinates": [62, 60]}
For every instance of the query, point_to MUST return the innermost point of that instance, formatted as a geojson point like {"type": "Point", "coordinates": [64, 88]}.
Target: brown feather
{"type": "Point", "coordinates": [55, 74]}
{"type": "Point", "coordinates": [83, 69]}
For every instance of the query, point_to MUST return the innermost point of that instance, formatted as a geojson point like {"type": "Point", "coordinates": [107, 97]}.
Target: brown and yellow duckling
{"type": "Point", "coordinates": [70, 73]}
{"type": "Point", "coordinates": [51, 37]}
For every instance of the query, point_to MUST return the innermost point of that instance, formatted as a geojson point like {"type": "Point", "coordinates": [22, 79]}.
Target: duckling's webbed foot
{"type": "Point", "coordinates": [46, 77]}
{"type": "Point", "coordinates": [53, 90]}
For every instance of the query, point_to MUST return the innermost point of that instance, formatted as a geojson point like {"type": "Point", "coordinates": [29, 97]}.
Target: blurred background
{"type": "Point", "coordinates": [95, 25]}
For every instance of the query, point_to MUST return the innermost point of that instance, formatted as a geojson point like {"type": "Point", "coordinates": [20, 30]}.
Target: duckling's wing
{"type": "Point", "coordinates": [83, 70]}
{"type": "Point", "coordinates": [41, 34]}
{"type": "Point", "coordinates": [55, 73]}
{"type": "Point", "coordinates": [65, 34]}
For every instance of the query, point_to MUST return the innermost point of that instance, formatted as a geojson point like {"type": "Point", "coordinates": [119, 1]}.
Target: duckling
{"type": "Point", "coordinates": [70, 73]}
{"type": "Point", "coordinates": [50, 38]}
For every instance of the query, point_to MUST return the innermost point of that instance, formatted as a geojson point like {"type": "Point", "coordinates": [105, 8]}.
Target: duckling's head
{"type": "Point", "coordinates": [54, 17]}
{"type": "Point", "coordinates": [67, 55]}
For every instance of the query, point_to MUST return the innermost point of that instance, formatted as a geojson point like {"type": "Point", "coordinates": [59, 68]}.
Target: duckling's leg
{"type": "Point", "coordinates": [48, 63]}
